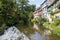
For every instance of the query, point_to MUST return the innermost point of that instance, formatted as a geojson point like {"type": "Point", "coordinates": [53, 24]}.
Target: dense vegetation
{"type": "Point", "coordinates": [55, 26]}
{"type": "Point", "coordinates": [39, 21]}
{"type": "Point", "coordinates": [15, 12]}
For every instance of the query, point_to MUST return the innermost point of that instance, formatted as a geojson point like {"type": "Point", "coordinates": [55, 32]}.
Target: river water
{"type": "Point", "coordinates": [41, 34]}
{"type": "Point", "coordinates": [28, 33]}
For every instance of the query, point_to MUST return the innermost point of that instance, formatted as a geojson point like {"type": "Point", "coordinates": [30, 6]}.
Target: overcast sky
{"type": "Point", "coordinates": [36, 2]}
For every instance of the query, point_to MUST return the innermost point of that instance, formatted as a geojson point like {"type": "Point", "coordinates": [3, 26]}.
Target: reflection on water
{"type": "Point", "coordinates": [36, 36]}
{"type": "Point", "coordinates": [28, 33]}
{"type": "Point", "coordinates": [41, 34]}
{"type": "Point", "coordinates": [36, 26]}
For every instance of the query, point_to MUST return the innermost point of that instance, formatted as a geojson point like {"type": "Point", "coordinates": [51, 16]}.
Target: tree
{"type": "Point", "coordinates": [13, 13]}
{"type": "Point", "coordinates": [8, 11]}
{"type": "Point", "coordinates": [41, 21]}
{"type": "Point", "coordinates": [25, 11]}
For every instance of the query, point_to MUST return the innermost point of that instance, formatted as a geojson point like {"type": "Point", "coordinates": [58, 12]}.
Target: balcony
{"type": "Point", "coordinates": [54, 10]}
{"type": "Point", "coordinates": [50, 11]}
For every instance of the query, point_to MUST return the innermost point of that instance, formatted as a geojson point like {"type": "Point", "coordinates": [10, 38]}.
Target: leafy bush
{"type": "Point", "coordinates": [56, 21]}
{"type": "Point", "coordinates": [55, 26]}
{"type": "Point", "coordinates": [13, 13]}
{"type": "Point", "coordinates": [2, 28]}
{"type": "Point", "coordinates": [34, 20]}
{"type": "Point", "coordinates": [41, 21]}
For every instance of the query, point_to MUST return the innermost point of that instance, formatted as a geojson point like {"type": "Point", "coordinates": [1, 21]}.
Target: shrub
{"type": "Point", "coordinates": [34, 20]}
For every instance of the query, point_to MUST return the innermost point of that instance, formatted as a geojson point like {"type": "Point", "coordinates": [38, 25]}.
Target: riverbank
{"type": "Point", "coordinates": [44, 32]}
{"type": "Point", "coordinates": [54, 28]}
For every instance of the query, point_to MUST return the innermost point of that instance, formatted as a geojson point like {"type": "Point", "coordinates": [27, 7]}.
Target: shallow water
{"type": "Point", "coordinates": [41, 34]}
{"type": "Point", "coordinates": [30, 33]}
{"type": "Point", "coordinates": [36, 36]}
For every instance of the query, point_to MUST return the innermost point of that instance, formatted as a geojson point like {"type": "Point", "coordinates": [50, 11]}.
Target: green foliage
{"type": "Point", "coordinates": [55, 26]}
{"type": "Point", "coordinates": [56, 21]}
{"type": "Point", "coordinates": [41, 21]}
{"type": "Point", "coordinates": [2, 28]}
{"type": "Point", "coordinates": [13, 13]}
{"type": "Point", "coordinates": [34, 21]}
{"type": "Point", "coordinates": [46, 24]}
{"type": "Point", "coordinates": [56, 31]}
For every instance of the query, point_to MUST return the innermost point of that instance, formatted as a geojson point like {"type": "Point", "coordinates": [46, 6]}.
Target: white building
{"type": "Point", "coordinates": [37, 14]}
{"type": "Point", "coordinates": [13, 34]}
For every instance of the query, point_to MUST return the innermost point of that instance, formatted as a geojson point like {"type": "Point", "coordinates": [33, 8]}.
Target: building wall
{"type": "Point", "coordinates": [49, 2]}
{"type": "Point", "coordinates": [44, 10]}
{"type": "Point", "coordinates": [45, 7]}
{"type": "Point", "coordinates": [57, 15]}
{"type": "Point", "coordinates": [37, 14]}
{"type": "Point", "coordinates": [53, 9]}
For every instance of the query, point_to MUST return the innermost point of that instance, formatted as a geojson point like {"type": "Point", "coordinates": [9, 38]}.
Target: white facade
{"type": "Point", "coordinates": [57, 16]}
{"type": "Point", "coordinates": [13, 34]}
{"type": "Point", "coordinates": [44, 12]}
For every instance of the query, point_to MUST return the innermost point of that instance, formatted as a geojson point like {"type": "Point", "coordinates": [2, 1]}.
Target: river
{"type": "Point", "coordinates": [28, 33]}
{"type": "Point", "coordinates": [41, 34]}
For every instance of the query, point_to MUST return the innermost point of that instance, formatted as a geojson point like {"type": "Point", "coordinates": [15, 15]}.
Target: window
{"type": "Point", "coordinates": [56, 16]}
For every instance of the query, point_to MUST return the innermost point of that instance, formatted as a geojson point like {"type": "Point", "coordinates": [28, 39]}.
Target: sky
{"type": "Point", "coordinates": [36, 2]}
